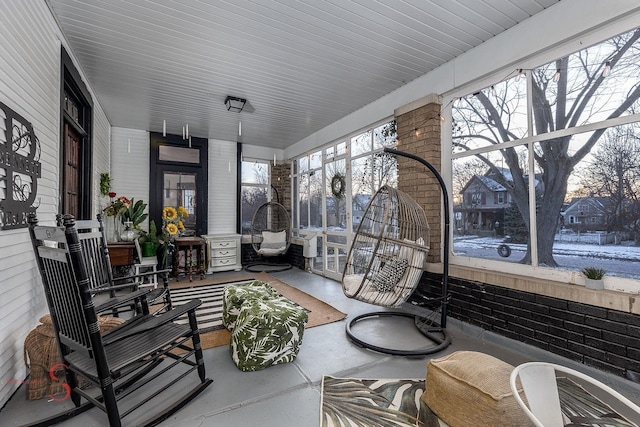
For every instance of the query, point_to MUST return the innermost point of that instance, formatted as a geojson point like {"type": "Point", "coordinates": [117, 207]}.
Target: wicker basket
{"type": "Point", "coordinates": [41, 354]}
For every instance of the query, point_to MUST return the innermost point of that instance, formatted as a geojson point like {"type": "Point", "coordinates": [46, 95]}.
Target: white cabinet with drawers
{"type": "Point", "coordinates": [224, 252]}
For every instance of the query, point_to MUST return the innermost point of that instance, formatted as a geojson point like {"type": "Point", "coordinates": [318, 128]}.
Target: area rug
{"type": "Point", "coordinates": [350, 402]}
{"type": "Point", "coordinates": [209, 314]}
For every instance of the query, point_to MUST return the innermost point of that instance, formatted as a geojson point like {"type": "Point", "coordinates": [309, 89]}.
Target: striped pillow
{"type": "Point", "coordinates": [390, 274]}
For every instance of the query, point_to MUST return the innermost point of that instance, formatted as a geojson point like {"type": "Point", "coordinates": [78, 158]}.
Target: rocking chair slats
{"type": "Point", "coordinates": [123, 352]}
{"type": "Point", "coordinates": [95, 251]}
{"type": "Point", "coordinates": [124, 360]}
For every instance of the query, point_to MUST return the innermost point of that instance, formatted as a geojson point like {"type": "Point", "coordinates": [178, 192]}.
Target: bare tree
{"type": "Point", "coordinates": [614, 172]}
{"type": "Point", "coordinates": [566, 93]}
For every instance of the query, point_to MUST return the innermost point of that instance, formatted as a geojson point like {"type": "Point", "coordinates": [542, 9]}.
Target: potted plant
{"type": "Point", "coordinates": [105, 184]}
{"type": "Point", "coordinates": [134, 213]}
{"type": "Point", "coordinates": [594, 277]}
{"type": "Point", "coordinates": [149, 242]}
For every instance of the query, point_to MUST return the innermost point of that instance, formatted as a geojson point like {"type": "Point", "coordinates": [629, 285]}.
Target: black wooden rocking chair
{"type": "Point", "coordinates": [96, 256]}
{"type": "Point", "coordinates": [125, 359]}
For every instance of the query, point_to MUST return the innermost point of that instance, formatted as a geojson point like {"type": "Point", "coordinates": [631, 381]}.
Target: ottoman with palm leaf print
{"type": "Point", "coordinates": [267, 332]}
{"type": "Point", "coordinates": [235, 295]}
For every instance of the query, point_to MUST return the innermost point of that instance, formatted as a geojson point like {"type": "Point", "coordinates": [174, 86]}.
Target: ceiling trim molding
{"type": "Point", "coordinates": [432, 98]}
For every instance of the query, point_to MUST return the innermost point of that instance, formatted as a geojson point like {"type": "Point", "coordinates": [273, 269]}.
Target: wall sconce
{"type": "Point", "coordinates": [234, 104]}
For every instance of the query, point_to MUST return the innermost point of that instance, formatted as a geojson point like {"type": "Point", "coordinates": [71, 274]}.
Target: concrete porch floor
{"type": "Point", "coordinates": [289, 394]}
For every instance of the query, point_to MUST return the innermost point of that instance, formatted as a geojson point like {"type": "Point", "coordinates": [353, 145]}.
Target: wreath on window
{"type": "Point", "coordinates": [338, 185]}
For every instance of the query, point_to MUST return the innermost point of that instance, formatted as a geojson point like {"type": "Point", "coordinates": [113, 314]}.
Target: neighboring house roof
{"type": "Point", "coordinates": [485, 181]}
{"type": "Point", "coordinates": [493, 185]}
{"type": "Point", "coordinates": [361, 201]}
{"type": "Point", "coordinates": [603, 205]}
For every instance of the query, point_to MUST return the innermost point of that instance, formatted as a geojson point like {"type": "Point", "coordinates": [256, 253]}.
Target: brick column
{"type": "Point", "coordinates": [281, 180]}
{"type": "Point", "coordinates": [418, 127]}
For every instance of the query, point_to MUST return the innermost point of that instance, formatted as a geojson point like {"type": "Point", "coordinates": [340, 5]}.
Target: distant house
{"type": "Point", "coordinates": [483, 204]}
{"type": "Point", "coordinates": [360, 202]}
{"type": "Point", "coordinates": [589, 213]}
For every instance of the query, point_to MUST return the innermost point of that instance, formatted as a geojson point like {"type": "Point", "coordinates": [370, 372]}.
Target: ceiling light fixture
{"type": "Point", "coordinates": [234, 104]}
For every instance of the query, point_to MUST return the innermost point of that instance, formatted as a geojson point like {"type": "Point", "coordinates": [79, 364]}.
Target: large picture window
{"type": "Point", "coordinates": [547, 163]}
{"type": "Point", "coordinates": [254, 191]}
{"type": "Point", "coordinates": [333, 185]}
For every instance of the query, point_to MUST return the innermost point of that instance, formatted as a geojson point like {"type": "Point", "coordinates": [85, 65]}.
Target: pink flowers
{"type": "Point", "coordinates": [116, 206]}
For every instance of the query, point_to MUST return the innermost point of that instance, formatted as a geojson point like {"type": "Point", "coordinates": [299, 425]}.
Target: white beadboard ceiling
{"type": "Point", "coordinates": [301, 64]}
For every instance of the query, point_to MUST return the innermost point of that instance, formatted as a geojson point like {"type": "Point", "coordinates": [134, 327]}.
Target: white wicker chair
{"type": "Point", "coordinates": [538, 380]}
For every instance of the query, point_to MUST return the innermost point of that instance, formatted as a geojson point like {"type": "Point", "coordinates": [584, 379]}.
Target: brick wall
{"type": "Point", "coordinates": [248, 255]}
{"type": "Point", "coordinates": [419, 134]}
{"type": "Point", "coordinates": [603, 338]}
{"type": "Point", "coordinates": [293, 256]}
{"type": "Point", "coordinates": [281, 180]}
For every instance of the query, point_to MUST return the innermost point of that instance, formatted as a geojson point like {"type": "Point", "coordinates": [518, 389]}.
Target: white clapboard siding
{"type": "Point", "coordinates": [30, 66]}
{"type": "Point", "coordinates": [101, 156]}
{"type": "Point", "coordinates": [130, 163]}
{"type": "Point", "coordinates": [30, 63]}
{"type": "Point", "coordinates": [222, 186]}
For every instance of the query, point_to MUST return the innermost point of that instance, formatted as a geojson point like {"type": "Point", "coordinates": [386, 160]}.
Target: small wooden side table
{"type": "Point", "coordinates": [188, 245]}
{"type": "Point", "coordinates": [122, 258]}
{"type": "Point", "coordinates": [121, 253]}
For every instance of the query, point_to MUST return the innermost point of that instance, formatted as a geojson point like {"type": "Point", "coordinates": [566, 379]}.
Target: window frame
{"type": "Point", "coordinates": [243, 185]}
{"type": "Point", "coordinates": [327, 157]}
{"type": "Point", "coordinates": [624, 284]}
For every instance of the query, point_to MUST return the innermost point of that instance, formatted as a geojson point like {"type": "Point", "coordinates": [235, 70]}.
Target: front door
{"type": "Point", "coordinates": [72, 172]}
{"type": "Point", "coordinates": [75, 143]}
{"type": "Point", "coordinates": [179, 171]}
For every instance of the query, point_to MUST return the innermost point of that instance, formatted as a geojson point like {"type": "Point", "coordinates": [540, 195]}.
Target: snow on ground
{"type": "Point", "coordinates": [623, 252]}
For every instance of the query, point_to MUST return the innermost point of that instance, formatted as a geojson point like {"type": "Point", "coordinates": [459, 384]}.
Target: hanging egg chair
{"type": "Point", "coordinates": [385, 262]}
{"type": "Point", "coordinates": [385, 265]}
{"type": "Point", "coordinates": [270, 237]}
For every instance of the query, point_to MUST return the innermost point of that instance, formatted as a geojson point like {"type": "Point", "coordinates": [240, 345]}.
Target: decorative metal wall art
{"type": "Point", "coordinates": [20, 169]}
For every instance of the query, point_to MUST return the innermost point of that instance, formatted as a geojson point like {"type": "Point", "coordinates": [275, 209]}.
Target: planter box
{"type": "Point", "coordinates": [597, 284]}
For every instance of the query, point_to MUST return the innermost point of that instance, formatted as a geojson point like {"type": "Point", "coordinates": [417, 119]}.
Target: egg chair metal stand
{"type": "Point", "coordinates": [270, 237]}
{"type": "Point", "coordinates": [385, 265]}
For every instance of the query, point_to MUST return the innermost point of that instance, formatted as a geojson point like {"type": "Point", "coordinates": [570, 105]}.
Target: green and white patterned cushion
{"type": "Point", "coordinates": [267, 332]}
{"type": "Point", "coordinates": [390, 275]}
{"type": "Point", "coordinates": [235, 295]}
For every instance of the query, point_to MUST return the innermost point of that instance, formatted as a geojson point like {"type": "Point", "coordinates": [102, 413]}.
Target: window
{"type": "Point", "coordinates": [332, 187]}
{"type": "Point", "coordinates": [254, 191]}
{"type": "Point", "coordinates": [560, 138]}
{"type": "Point", "coordinates": [369, 168]}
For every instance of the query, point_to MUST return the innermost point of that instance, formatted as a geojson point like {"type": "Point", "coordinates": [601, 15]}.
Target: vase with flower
{"type": "Point", "coordinates": [113, 222]}
{"type": "Point", "coordinates": [131, 217]}
{"type": "Point", "coordinates": [172, 224]}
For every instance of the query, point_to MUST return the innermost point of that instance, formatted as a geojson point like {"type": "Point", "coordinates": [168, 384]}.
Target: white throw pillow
{"type": "Point", "coordinates": [272, 240]}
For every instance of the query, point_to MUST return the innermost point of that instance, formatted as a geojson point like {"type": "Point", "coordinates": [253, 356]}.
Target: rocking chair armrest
{"type": "Point", "coordinates": [152, 322]}
{"type": "Point", "coordinates": [121, 300]}
{"type": "Point", "coordinates": [135, 276]}
{"type": "Point", "coordinates": [178, 311]}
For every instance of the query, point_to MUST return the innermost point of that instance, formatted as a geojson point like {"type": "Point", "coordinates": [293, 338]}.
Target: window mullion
{"type": "Point", "coordinates": [533, 229]}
